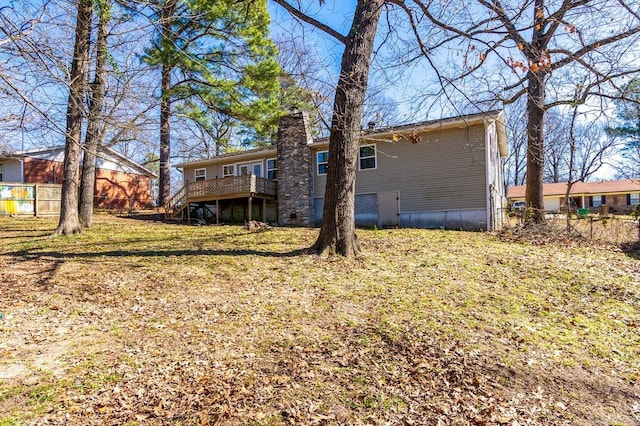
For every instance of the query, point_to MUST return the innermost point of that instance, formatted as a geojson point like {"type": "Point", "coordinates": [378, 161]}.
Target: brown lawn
{"type": "Point", "coordinates": [141, 323]}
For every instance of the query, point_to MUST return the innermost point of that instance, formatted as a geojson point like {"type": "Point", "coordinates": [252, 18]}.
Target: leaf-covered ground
{"type": "Point", "coordinates": [143, 323]}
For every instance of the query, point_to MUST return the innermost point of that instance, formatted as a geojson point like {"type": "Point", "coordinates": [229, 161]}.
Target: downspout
{"type": "Point", "coordinates": [21, 160]}
{"type": "Point", "coordinates": [487, 160]}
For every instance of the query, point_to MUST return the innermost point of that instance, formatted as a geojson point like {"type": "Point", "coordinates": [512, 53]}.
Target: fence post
{"type": "Point", "coordinates": [591, 223]}
{"type": "Point", "coordinates": [35, 199]}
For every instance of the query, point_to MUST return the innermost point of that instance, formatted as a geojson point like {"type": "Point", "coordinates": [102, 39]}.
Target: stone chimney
{"type": "Point", "coordinates": [295, 172]}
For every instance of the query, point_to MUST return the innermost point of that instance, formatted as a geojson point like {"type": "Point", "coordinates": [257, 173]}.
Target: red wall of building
{"type": "Point", "coordinates": [118, 190]}
{"type": "Point", "coordinates": [42, 171]}
{"type": "Point", "coordinates": [113, 189]}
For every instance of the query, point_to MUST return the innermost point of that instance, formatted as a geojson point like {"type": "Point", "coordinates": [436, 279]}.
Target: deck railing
{"type": "Point", "coordinates": [227, 187]}
{"type": "Point", "coordinates": [176, 203]}
{"type": "Point", "coordinates": [230, 186]}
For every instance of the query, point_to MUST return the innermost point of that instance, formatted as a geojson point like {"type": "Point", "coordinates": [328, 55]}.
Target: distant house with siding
{"type": "Point", "coordinates": [441, 173]}
{"type": "Point", "coordinates": [619, 196]}
{"type": "Point", "coordinates": [120, 182]}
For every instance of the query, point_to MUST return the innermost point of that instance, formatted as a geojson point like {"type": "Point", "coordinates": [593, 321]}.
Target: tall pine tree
{"type": "Point", "coordinates": [218, 57]}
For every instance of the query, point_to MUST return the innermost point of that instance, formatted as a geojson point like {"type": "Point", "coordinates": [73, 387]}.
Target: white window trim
{"type": "Point", "coordinates": [318, 163]}
{"type": "Point", "coordinates": [267, 169]}
{"type": "Point", "coordinates": [375, 157]}
{"type": "Point", "coordinates": [195, 174]}
{"type": "Point", "coordinates": [233, 172]}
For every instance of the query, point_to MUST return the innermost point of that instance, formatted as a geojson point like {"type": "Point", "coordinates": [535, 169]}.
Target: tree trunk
{"type": "Point", "coordinates": [536, 88]}
{"type": "Point", "coordinates": [165, 106]}
{"type": "Point", "coordinates": [165, 137]}
{"type": "Point", "coordinates": [94, 127]}
{"type": "Point", "coordinates": [69, 223]}
{"type": "Point", "coordinates": [337, 234]}
{"type": "Point", "coordinates": [535, 147]}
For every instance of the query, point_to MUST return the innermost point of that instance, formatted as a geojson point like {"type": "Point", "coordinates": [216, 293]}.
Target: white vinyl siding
{"type": "Point", "coordinates": [11, 171]}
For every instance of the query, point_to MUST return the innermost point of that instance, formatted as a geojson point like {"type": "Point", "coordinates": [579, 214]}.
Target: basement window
{"type": "Point", "coordinates": [322, 158]}
{"type": "Point", "coordinates": [367, 156]}
{"type": "Point", "coordinates": [201, 174]}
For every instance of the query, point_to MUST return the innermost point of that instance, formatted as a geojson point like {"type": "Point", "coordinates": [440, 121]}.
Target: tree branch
{"type": "Point", "coordinates": [309, 20]}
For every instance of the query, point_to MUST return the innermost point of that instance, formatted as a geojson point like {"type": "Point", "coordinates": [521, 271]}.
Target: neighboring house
{"type": "Point", "coordinates": [120, 182]}
{"type": "Point", "coordinates": [619, 196]}
{"type": "Point", "coordinates": [442, 173]}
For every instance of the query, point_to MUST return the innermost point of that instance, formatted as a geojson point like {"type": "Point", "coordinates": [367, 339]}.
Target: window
{"type": "Point", "coordinates": [597, 201]}
{"type": "Point", "coordinates": [367, 157]}
{"type": "Point", "coordinates": [632, 199]}
{"type": "Point", "coordinates": [250, 169]}
{"type": "Point", "coordinates": [272, 168]}
{"type": "Point", "coordinates": [243, 169]}
{"type": "Point", "coordinates": [229, 170]}
{"type": "Point", "coordinates": [201, 174]}
{"type": "Point", "coordinates": [323, 161]}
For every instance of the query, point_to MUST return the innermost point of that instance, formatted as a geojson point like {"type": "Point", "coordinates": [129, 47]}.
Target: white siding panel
{"type": "Point", "coordinates": [11, 171]}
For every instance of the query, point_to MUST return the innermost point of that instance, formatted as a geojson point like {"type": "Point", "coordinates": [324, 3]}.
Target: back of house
{"type": "Point", "coordinates": [442, 173]}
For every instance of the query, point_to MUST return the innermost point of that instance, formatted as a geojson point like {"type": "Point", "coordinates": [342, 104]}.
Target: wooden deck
{"type": "Point", "coordinates": [245, 186]}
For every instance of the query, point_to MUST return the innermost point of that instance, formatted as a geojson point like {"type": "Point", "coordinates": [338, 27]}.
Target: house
{"type": "Point", "coordinates": [441, 173]}
{"type": "Point", "coordinates": [120, 182]}
{"type": "Point", "coordinates": [618, 196]}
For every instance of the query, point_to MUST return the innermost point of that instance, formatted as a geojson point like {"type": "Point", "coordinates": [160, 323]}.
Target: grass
{"type": "Point", "coordinates": [147, 323]}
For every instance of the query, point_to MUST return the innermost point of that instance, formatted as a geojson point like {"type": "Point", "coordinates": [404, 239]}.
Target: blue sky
{"type": "Point", "coordinates": [400, 84]}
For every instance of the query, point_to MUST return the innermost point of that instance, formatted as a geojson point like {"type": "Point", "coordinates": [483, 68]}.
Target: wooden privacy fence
{"type": "Point", "coordinates": [30, 199]}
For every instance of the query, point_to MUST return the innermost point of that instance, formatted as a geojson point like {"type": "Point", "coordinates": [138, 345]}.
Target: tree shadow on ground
{"type": "Point", "coordinates": [34, 254]}
{"type": "Point", "coordinates": [631, 249]}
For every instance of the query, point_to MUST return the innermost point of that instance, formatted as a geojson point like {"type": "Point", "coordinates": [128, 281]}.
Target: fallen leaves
{"type": "Point", "coordinates": [429, 327]}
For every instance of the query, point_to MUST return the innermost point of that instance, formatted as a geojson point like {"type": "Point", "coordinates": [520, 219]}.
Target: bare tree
{"type": "Point", "coordinates": [95, 127]}
{"type": "Point", "coordinates": [69, 223]}
{"type": "Point", "coordinates": [337, 234]}
{"type": "Point", "coordinates": [550, 49]}
{"type": "Point", "coordinates": [556, 130]}
{"type": "Point", "coordinates": [593, 150]}
{"type": "Point", "coordinates": [516, 162]}
{"type": "Point", "coordinates": [33, 75]}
